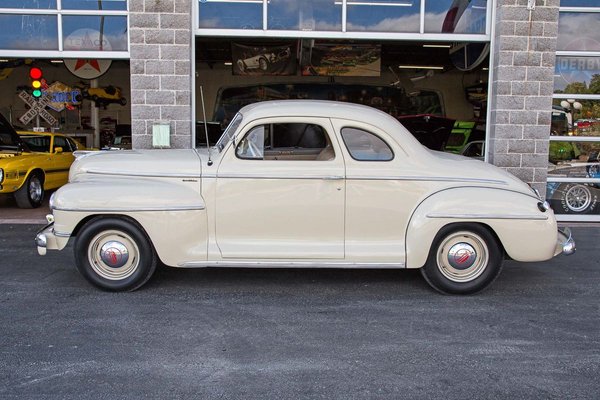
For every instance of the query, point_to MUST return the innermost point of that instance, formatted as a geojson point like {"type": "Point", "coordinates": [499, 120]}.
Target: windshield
{"type": "Point", "coordinates": [228, 134]}
{"type": "Point", "coordinates": [8, 138]}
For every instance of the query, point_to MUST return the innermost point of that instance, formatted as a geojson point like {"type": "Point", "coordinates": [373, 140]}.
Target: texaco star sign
{"type": "Point", "coordinates": [38, 107]}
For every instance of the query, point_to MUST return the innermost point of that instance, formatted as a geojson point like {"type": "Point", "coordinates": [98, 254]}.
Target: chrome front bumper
{"type": "Point", "coordinates": [565, 244]}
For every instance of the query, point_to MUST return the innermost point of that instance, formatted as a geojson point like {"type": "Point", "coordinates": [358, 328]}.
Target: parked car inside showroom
{"type": "Point", "coordinates": [300, 183]}
{"type": "Point", "coordinates": [32, 162]}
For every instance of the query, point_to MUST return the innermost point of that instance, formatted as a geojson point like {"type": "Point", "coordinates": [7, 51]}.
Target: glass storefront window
{"type": "Point", "coordinates": [577, 75]}
{"type": "Point", "coordinates": [240, 14]}
{"type": "Point", "coordinates": [95, 33]}
{"type": "Point", "coordinates": [33, 4]}
{"type": "Point", "coordinates": [579, 3]}
{"type": "Point", "coordinates": [450, 16]}
{"type": "Point", "coordinates": [384, 16]}
{"type": "Point", "coordinates": [94, 4]}
{"type": "Point", "coordinates": [29, 32]}
{"type": "Point", "coordinates": [307, 15]}
{"type": "Point", "coordinates": [578, 31]}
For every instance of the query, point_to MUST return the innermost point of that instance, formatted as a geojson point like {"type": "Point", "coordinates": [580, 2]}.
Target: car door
{"type": "Point", "coordinates": [281, 191]}
{"type": "Point", "coordinates": [57, 173]}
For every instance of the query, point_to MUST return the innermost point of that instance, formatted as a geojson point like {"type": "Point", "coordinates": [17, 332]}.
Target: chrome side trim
{"type": "Point", "coordinates": [488, 216]}
{"type": "Point", "coordinates": [125, 209]}
{"type": "Point", "coordinates": [426, 179]}
{"type": "Point", "coordinates": [290, 264]}
{"type": "Point", "coordinates": [142, 174]}
{"type": "Point", "coordinates": [312, 177]}
{"type": "Point", "coordinates": [61, 234]}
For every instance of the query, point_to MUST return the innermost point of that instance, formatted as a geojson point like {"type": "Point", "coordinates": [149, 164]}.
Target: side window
{"type": "Point", "coordinates": [61, 142]}
{"type": "Point", "coordinates": [365, 146]}
{"type": "Point", "coordinates": [72, 145]}
{"type": "Point", "coordinates": [286, 141]}
{"type": "Point", "coordinates": [252, 146]}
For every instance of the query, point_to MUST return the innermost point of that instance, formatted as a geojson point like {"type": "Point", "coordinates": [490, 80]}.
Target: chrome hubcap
{"type": "Point", "coordinates": [578, 198]}
{"type": "Point", "coordinates": [113, 255]}
{"type": "Point", "coordinates": [462, 256]}
{"type": "Point", "coordinates": [35, 189]}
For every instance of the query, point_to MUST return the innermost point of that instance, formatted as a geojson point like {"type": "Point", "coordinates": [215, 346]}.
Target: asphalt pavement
{"type": "Point", "coordinates": [297, 334]}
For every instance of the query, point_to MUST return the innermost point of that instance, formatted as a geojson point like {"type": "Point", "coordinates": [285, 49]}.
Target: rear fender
{"type": "Point", "coordinates": [525, 232]}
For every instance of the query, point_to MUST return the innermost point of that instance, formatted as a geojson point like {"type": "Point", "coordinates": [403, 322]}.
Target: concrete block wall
{"type": "Point", "coordinates": [161, 65]}
{"type": "Point", "coordinates": [522, 86]}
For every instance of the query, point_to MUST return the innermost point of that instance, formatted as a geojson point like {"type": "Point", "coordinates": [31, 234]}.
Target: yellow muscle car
{"type": "Point", "coordinates": [31, 163]}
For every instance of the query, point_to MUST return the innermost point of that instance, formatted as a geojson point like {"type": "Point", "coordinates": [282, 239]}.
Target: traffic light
{"type": "Point", "coordinates": [36, 74]}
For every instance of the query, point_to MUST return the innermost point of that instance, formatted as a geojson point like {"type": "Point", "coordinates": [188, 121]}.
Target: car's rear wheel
{"type": "Point", "coordinates": [31, 194]}
{"type": "Point", "coordinates": [115, 254]}
{"type": "Point", "coordinates": [464, 259]}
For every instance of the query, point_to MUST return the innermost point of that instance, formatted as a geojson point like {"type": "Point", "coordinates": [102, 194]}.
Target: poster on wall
{"type": "Point", "coordinates": [327, 59]}
{"type": "Point", "coordinates": [264, 60]}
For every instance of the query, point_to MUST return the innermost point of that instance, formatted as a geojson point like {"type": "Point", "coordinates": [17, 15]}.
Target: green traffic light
{"type": "Point", "coordinates": [37, 93]}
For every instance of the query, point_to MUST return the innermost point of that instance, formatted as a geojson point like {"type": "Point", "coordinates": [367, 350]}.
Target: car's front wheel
{"type": "Point", "coordinates": [464, 259]}
{"type": "Point", "coordinates": [31, 194]}
{"type": "Point", "coordinates": [115, 254]}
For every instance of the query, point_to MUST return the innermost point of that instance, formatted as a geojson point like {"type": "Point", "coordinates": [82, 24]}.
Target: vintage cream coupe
{"type": "Point", "coordinates": [300, 184]}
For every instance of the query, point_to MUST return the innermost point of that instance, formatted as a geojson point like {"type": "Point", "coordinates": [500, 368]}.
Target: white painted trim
{"type": "Point", "coordinates": [491, 66]}
{"type": "Point", "coordinates": [576, 96]}
{"type": "Point", "coordinates": [383, 36]}
{"type": "Point", "coordinates": [567, 179]}
{"type": "Point", "coordinates": [577, 218]}
{"type": "Point", "coordinates": [563, 53]}
{"type": "Point", "coordinates": [580, 9]}
{"type": "Point", "coordinates": [574, 138]}
{"type": "Point", "coordinates": [54, 11]}
{"type": "Point", "coordinates": [195, 23]}
{"type": "Point", "coordinates": [111, 55]}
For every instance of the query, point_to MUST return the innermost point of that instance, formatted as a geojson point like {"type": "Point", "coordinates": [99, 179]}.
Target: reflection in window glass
{"type": "Point", "coordinates": [579, 3]}
{"type": "Point", "coordinates": [578, 31]}
{"type": "Point", "coordinates": [577, 75]}
{"type": "Point", "coordinates": [95, 33]}
{"type": "Point", "coordinates": [306, 15]}
{"type": "Point", "coordinates": [364, 146]}
{"type": "Point", "coordinates": [29, 32]}
{"type": "Point", "coordinates": [35, 4]}
{"type": "Point", "coordinates": [94, 4]}
{"type": "Point", "coordinates": [384, 16]}
{"type": "Point", "coordinates": [574, 197]}
{"type": "Point", "coordinates": [231, 14]}
{"type": "Point", "coordinates": [451, 16]}
{"type": "Point", "coordinates": [582, 117]}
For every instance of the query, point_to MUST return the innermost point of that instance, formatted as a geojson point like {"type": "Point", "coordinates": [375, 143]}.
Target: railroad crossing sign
{"type": "Point", "coordinates": [38, 107]}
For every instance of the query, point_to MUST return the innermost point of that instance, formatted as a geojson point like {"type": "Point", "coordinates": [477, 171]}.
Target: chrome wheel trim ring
{"type": "Point", "coordinates": [578, 198]}
{"type": "Point", "coordinates": [35, 189]}
{"type": "Point", "coordinates": [462, 246]}
{"type": "Point", "coordinates": [120, 267]}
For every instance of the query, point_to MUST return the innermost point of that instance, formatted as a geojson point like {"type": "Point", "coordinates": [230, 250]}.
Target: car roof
{"type": "Point", "coordinates": [30, 133]}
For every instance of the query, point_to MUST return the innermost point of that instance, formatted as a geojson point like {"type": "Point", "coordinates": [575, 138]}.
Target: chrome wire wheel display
{"type": "Point", "coordinates": [113, 255]}
{"type": "Point", "coordinates": [462, 256]}
{"type": "Point", "coordinates": [578, 198]}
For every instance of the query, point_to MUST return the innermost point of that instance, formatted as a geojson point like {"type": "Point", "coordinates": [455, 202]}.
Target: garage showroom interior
{"type": "Point", "coordinates": [515, 83]}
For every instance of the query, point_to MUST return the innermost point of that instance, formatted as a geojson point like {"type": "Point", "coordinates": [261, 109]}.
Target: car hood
{"type": "Point", "coordinates": [139, 163]}
{"type": "Point", "coordinates": [462, 167]}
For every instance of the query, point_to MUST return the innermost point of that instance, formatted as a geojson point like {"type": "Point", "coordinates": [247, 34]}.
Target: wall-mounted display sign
{"type": "Point", "coordinates": [88, 69]}
{"type": "Point", "coordinates": [62, 96]}
{"type": "Point", "coordinates": [37, 107]}
{"type": "Point", "coordinates": [328, 59]}
{"type": "Point", "coordinates": [264, 60]}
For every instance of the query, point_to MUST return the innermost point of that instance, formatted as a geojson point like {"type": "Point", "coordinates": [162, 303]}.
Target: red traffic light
{"type": "Point", "coordinates": [35, 73]}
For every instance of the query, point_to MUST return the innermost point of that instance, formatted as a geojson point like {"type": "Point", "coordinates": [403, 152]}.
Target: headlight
{"type": "Point", "coordinates": [1, 175]}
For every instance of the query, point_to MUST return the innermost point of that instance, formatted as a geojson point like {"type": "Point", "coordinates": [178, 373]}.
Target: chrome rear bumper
{"type": "Point", "coordinates": [565, 244]}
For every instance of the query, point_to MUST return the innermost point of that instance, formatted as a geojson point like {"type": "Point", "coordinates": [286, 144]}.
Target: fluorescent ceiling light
{"type": "Point", "coordinates": [56, 61]}
{"type": "Point", "coordinates": [442, 46]}
{"type": "Point", "coordinates": [3, 60]}
{"type": "Point", "coordinates": [227, 63]}
{"type": "Point", "coordinates": [420, 67]}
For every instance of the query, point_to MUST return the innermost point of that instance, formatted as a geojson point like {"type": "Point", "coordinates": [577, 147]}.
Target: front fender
{"type": "Point", "coordinates": [172, 213]}
{"type": "Point", "coordinates": [525, 232]}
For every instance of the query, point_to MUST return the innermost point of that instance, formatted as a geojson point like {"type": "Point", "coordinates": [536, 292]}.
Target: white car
{"type": "Point", "coordinates": [300, 184]}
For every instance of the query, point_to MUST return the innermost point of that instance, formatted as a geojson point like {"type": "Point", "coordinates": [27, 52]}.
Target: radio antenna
{"type": "Point", "coordinates": [205, 126]}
